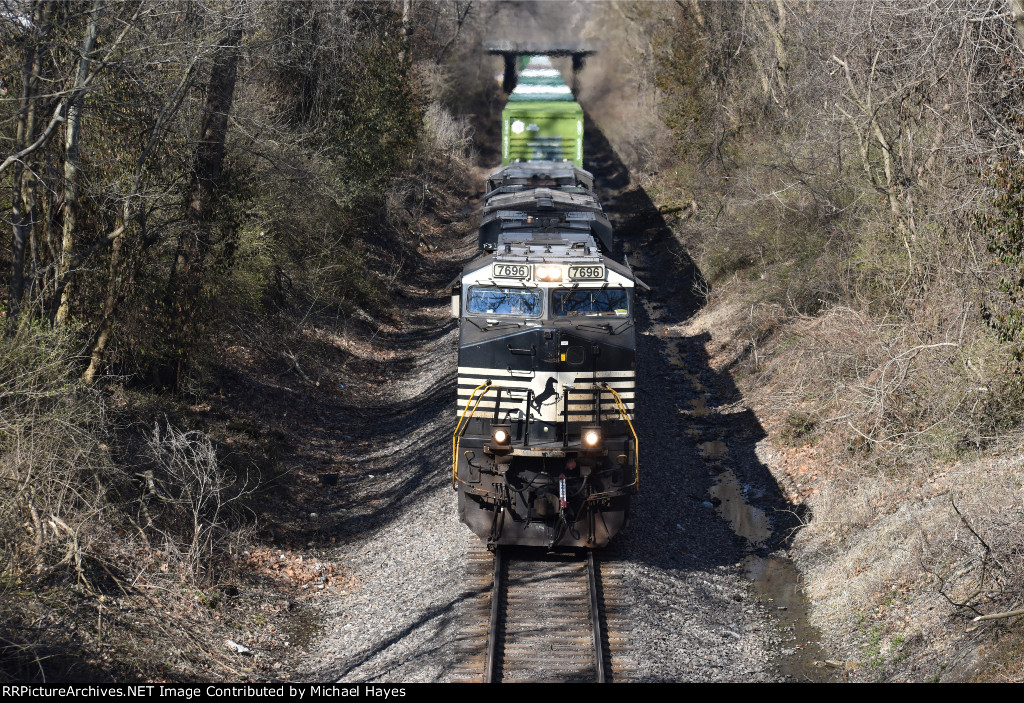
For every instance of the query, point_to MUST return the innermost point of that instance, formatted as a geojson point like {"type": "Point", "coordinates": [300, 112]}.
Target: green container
{"type": "Point", "coordinates": [542, 120]}
{"type": "Point", "coordinates": [534, 130]}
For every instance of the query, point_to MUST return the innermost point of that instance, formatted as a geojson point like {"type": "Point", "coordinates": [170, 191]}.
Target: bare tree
{"type": "Point", "coordinates": [33, 41]}
{"type": "Point", "coordinates": [71, 156]}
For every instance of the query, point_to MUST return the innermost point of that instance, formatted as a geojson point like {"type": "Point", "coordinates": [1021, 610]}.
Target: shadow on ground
{"type": "Point", "coordinates": [707, 500]}
{"type": "Point", "coordinates": [683, 402]}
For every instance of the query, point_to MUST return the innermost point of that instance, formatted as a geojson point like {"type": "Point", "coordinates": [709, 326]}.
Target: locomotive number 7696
{"type": "Point", "coordinates": [510, 271]}
{"type": "Point", "coordinates": [586, 273]}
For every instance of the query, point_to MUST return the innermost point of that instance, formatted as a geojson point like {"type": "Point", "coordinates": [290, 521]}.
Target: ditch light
{"type": "Point", "coordinates": [501, 436]}
{"type": "Point", "coordinates": [591, 437]}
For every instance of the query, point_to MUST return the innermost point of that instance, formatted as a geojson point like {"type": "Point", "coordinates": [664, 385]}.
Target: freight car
{"type": "Point", "coordinates": [542, 119]}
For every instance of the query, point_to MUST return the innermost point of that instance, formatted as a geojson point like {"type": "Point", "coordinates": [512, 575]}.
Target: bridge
{"type": "Point", "coordinates": [511, 50]}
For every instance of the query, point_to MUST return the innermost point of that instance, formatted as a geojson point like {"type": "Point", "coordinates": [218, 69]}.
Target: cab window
{"type": "Point", "coordinates": [503, 301]}
{"type": "Point", "coordinates": [595, 302]}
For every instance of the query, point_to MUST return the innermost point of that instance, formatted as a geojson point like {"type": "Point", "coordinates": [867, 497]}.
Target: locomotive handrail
{"type": "Point", "coordinates": [636, 442]}
{"type": "Point", "coordinates": [486, 385]}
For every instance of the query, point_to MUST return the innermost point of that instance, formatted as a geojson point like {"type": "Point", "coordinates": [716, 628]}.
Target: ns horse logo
{"type": "Point", "coordinates": [549, 392]}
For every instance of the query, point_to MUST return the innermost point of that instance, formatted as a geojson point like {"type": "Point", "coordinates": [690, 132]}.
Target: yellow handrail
{"type": "Point", "coordinates": [455, 437]}
{"type": "Point", "coordinates": [636, 442]}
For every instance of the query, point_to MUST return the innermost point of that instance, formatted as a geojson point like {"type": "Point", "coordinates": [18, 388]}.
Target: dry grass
{"type": "Point", "coordinates": [83, 525]}
{"type": "Point", "coordinates": [891, 392]}
{"type": "Point", "coordinates": [54, 472]}
{"type": "Point", "coordinates": [52, 456]}
{"type": "Point", "coordinates": [896, 565]}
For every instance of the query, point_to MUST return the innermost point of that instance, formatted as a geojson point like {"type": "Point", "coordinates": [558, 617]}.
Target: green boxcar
{"type": "Point", "coordinates": [541, 120]}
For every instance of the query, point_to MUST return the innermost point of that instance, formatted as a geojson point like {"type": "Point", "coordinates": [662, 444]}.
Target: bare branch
{"type": "Point", "coordinates": [55, 120]}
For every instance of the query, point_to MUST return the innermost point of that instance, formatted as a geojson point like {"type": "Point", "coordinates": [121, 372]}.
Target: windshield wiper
{"type": "Point", "coordinates": [599, 326]}
{"type": "Point", "coordinates": [494, 324]}
{"type": "Point", "coordinates": [498, 324]}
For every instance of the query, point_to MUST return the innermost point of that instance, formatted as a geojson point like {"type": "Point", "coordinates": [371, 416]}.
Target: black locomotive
{"type": "Point", "coordinates": [545, 450]}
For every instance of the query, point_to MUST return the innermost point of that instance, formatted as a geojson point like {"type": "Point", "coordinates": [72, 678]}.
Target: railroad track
{"type": "Point", "coordinates": [542, 617]}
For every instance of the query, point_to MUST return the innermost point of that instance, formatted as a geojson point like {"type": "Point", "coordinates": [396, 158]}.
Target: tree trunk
{"type": "Point", "coordinates": [99, 347]}
{"type": "Point", "coordinates": [73, 129]}
{"type": "Point", "coordinates": [184, 284]}
{"type": "Point", "coordinates": [407, 26]}
{"type": "Point", "coordinates": [21, 216]}
{"type": "Point", "coordinates": [1017, 13]}
{"type": "Point", "coordinates": [209, 160]}
{"type": "Point", "coordinates": [775, 27]}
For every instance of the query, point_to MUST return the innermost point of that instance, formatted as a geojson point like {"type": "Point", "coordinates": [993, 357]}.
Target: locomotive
{"type": "Point", "coordinates": [545, 451]}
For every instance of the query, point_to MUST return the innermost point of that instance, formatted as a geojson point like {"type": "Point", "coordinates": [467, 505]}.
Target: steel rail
{"type": "Point", "coordinates": [492, 632]}
{"type": "Point", "coordinates": [595, 617]}
{"type": "Point", "coordinates": [494, 658]}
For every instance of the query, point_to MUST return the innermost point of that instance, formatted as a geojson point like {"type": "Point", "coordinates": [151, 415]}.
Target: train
{"type": "Point", "coordinates": [545, 451]}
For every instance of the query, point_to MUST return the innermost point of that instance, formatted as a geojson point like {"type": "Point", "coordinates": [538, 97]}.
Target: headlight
{"type": "Point", "coordinates": [592, 437]}
{"type": "Point", "coordinates": [548, 273]}
{"type": "Point", "coordinates": [501, 436]}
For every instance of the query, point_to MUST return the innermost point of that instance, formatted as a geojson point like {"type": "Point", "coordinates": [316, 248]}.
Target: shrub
{"type": "Point", "coordinates": [1004, 227]}
{"type": "Point", "coordinates": [52, 454]}
{"type": "Point", "coordinates": [191, 499]}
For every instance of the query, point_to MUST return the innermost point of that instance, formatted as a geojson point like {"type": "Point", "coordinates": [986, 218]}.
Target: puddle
{"type": "Point", "coordinates": [700, 406]}
{"type": "Point", "coordinates": [776, 580]}
{"type": "Point", "coordinates": [675, 357]}
{"type": "Point", "coordinates": [713, 450]}
{"type": "Point", "coordinates": [801, 658]}
{"type": "Point", "coordinates": [655, 313]}
{"type": "Point", "coordinates": [748, 522]}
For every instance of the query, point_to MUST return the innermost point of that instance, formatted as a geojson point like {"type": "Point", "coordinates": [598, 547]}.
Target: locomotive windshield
{"type": "Point", "coordinates": [503, 301]}
{"type": "Point", "coordinates": [590, 302]}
